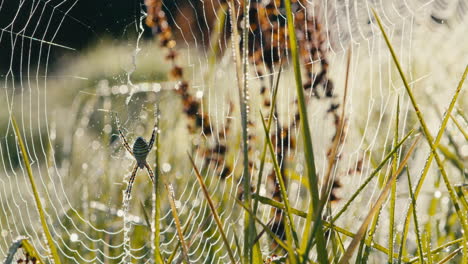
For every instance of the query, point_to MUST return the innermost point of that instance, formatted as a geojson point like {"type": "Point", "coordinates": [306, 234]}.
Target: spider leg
{"type": "Point", "coordinates": [122, 136]}
{"type": "Point", "coordinates": [128, 191]}
{"type": "Point", "coordinates": [150, 171]}
{"type": "Point", "coordinates": [153, 136]}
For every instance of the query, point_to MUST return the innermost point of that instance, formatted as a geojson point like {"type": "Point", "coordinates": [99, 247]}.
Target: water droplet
{"type": "Point", "coordinates": [166, 167]}
{"type": "Point", "coordinates": [73, 237]}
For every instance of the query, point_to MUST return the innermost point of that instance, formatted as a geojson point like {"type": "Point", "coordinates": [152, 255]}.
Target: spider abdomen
{"type": "Point", "coordinates": [140, 151]}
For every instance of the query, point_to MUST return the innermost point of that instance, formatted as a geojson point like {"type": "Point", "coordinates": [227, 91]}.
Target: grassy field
{"type": "Point", "coordinates": [377, 174]}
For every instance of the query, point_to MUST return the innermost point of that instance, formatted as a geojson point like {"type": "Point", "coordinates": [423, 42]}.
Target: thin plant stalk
{"type": "Point", "coordinates": [427, 134]}
{"type": "Point", "coordinates": [213, 211]}
{"type": "Point", "coordinates": [53, 253]}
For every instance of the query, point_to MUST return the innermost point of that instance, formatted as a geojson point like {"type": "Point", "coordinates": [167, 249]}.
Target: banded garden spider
{"type": "Point", "coordinates": [140, 151]}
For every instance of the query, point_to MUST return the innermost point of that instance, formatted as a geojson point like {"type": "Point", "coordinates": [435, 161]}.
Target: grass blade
{"type": "Point", "coordinates": [156, 199]}
{"type": "Point", "coordinates": [281, 182]}
{"type": "Point", "coordinates": [416, 225]}
{"type": "Point", "coordinates": [308, 149]}
{"type": "Point", "coordinates": [180, 234]}
{"type": "Point", "coordinates": [174, 252]}
{"type": "Point", "coordinates": [213, 211]}
{"type": "Point", "coordinates": [427, 134]}
{"type": "Point", "coordinates": [278, 240]}
{"type": "Point", "coordinates": [464, 133]}
{"type": "Point", "coordinates": [450, 256]}
{"type": "Point", "coordinates": [393, 193]}
{"type": "Point", "coordinates": [263, 155]}
{"type": "Point", "coordinates": [242, 77]}
{"type": "Point", "coordinates": [375, 208]}
{"type": "Point", "coordinates": [50, 242]}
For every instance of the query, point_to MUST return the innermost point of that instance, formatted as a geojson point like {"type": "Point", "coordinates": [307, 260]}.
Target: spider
{"type": "Point", "coordinates": [139, 151]}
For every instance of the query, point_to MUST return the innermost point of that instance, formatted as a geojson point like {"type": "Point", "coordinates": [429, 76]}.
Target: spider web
{"type": "Point", "coordinates": [62, 91]}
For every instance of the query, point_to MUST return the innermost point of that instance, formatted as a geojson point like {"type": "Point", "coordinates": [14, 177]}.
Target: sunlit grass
{"type": "Point", "coordinates": [175, 223]}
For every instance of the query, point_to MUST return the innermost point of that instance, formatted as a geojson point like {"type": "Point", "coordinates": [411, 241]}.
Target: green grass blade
{"type": "Point", "coordinates": [416, 225]}
{"type": "Point", "coordinates": [375, 208]}
{"type": "Point", "coordinates": [156, 201]}
{"type": "Point", "coordinates": [391, 225]}
{"type": "Point", "coordinates": [450, 256]}
{"type": "Point", "coordinates": [464, 133]}
{"type": "Point", "coordinates": [257, 255]}
{"type": "Point", "coordinates": [279, 175]}
{"type": "Point", "coordinates": [278, 240]}
{"type": "Point", "coordinates": [180, 233]}
{"type": "Point", "coordinates": [50, 242]}
{"type": "Point", "coordinates": [308, 148]}
{"type": "Point", "coordinates": [264, 150]}
{"type": "Point", "coordinates": [213, 211]}
{"type": "Point", "coordinates": [242, 77]}
{"type": "Point", "coordinates": [439, 249]}
{"type": "Point", "coordinates": [427, 134]}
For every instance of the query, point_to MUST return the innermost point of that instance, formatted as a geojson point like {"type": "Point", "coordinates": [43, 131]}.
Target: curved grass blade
{"type": "Point", "coordinates": [213, 210]}
{"type": "Point", "coordinates": [50, 242]}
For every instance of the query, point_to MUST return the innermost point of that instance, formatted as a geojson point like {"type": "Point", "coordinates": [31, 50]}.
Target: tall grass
{"type": "Point", "coordinates": [311, 234]}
